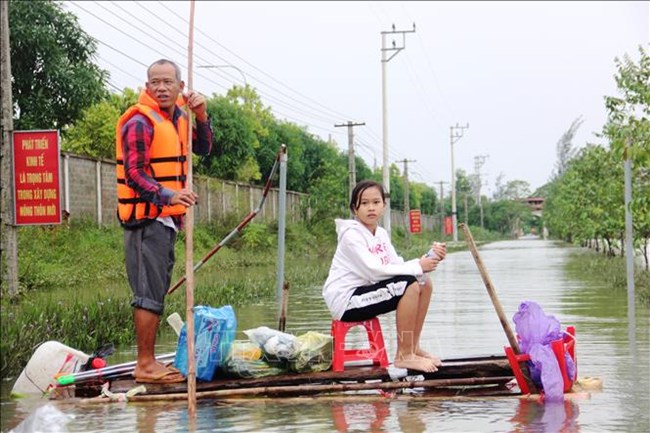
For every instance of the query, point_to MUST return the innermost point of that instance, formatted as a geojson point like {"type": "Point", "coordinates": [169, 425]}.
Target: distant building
{"type": "Point", "coordinates": [536, 204]}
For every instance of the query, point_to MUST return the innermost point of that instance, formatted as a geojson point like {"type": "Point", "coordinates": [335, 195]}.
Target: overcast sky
{"type": "Point", "coordinates": [519, 73]}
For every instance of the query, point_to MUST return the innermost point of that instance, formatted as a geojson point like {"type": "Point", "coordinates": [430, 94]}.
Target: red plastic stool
{"type": "Point", "coordinates": [559, 347]}
{"type": "Point", "coordinates": [376, 352]}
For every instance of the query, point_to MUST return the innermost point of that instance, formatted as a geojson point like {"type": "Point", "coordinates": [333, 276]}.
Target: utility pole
{"type": "Point", "coordinates": [406, 184]}
{"type": "Point", "coordinates": [455, 133]}
{"type": "Point", "coordinates": [352, 171]}
{"type": "Point", "coordinates": [442, 211]}
{"type": "Point", "coordinates": [9, 232]}
{"type": "Point", "coordinates": [479, 160]}
{"type": "Point", "coordinates": [407, 205]}
{"type": "Point", "coordinates": [629, 243]}
{"type": "Point", "coordinates": [395, 49]}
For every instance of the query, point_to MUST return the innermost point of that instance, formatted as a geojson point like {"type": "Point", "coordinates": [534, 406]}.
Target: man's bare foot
{"type": "Point", "coordinates": [425, 354]}
{"type": "Point", "coordinates": [157, 372]}
{"type": "Point", "coordinates": [415, 362]}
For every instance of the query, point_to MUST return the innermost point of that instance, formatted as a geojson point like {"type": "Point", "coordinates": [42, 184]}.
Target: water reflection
{"type": "Point", "coordinates": [155, 417]}
{"type": "Point", "coordinates": [367, 416]}
{"type": "Point", "coordinates": [559, 417]}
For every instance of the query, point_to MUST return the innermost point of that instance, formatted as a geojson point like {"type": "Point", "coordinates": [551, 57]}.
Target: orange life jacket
{"type": "Point", "coordinates": [167, 161]}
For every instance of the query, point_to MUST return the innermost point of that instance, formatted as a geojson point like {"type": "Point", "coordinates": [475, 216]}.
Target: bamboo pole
{"type": "Point", "coordinates": [497, 305]}
{"type": "Point", "coordinates": [189, 243]}
{"type": "Point", "coordinates": [339, 387]}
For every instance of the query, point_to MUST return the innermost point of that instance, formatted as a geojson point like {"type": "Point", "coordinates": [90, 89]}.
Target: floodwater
{"type": "Point", "coordinates": [461, 321]}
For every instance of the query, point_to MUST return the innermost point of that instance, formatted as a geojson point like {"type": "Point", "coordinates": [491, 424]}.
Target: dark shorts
{"type": "Point", "coordinates": [370, 301]}
{"type": "Point", "coordinates": [149, 256]}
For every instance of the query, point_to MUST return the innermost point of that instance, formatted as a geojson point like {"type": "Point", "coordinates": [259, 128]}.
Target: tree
{"type": "Point", "coordinates": [54, 78]}
{"type": "Point", "coordinates": [585, 203]}
{"type": "Point", "coordinates": [94, 134]}
{"type": "Point", "coordinates": [297, 139]}
{"type": "Point", "coordinates": [564, 148]}
{"type": "Point", "coordinates": [507, 216]}
{"type": "Point", "coordinates": [233, 156]}
{"type": "Point", "coordinates": [328, 194]}
{"type": "Point", "coordinates": [423, 197]}
{"type": "Point", "coordinates": [396, 188]}
{"type": "Point", "coordinates": [511, 190]}
{"type": "Point", "coordinates": [628, 129]}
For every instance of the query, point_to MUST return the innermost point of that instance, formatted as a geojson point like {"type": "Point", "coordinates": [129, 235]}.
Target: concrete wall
{"type": "Point", "coordinates": [89, 191]}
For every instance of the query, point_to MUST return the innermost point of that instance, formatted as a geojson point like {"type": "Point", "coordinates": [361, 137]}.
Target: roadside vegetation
{"type": "Point", "coordinates": [585, 200]}
{"type": "Point", "coordinates": [596, 269]}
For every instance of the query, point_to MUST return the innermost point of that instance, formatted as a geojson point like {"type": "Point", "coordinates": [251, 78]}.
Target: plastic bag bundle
{"type": "Point", "coordinates": [309, 352]}
{"type": "Point", "coordinates": [214, 332]}
{"type": "Point", "coordinates": [246, 360]}
{"type": "Point", "coordinates": [314, 353]}
{"type": "Point", "coordinates": [272, 342]}
{"type": "Point", "coordinates": [536, 330]}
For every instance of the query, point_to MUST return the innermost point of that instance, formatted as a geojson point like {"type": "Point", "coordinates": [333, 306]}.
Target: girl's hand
{"type": "Point", "coordinates": [428, 264]}
{"type": "Point", "coordinates": [440, 249]}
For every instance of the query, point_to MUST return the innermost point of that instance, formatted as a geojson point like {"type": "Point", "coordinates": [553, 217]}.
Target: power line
{"type": "Point", "coordinates": [301, 114]}
{"type": "Point", "coordinates": [277, 101]}
{"type": "Point", "coordinates": [336, 113]}
{"type": "Point", "coordinates": [431, 69]}
{"type": "Point", "coordinates": [286, 105]}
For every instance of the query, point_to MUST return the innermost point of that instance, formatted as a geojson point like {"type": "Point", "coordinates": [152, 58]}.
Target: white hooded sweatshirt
{"type": "Point", "coordinates": [361, 259]}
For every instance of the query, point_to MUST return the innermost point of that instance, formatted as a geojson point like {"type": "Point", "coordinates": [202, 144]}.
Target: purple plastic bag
{"type": "Point", "coordinates": [536, 331]}
{"type": "Point", "coordinates": [548, 371]}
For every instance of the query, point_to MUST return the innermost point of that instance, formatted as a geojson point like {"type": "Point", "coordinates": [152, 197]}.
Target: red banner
{"type": "Point", "coordinates": [37, 198]}
{"type": "Point", "coordinates": [414, 221]}
{"type": "Point", "coordinates": [448, 226]}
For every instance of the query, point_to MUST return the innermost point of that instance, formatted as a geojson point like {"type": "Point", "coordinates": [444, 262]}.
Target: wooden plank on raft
{"type": "Point", "coordinates": [327, 388]}
{"type": "Point", "coordinates": [466, 369]}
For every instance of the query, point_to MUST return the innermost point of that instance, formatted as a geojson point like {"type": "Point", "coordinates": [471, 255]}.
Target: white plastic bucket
{"type": "Point", "coordinates": [49, 360]}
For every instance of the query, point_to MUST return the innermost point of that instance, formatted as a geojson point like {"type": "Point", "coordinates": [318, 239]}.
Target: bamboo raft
{"type": "Point", "coordinates": [482, 375]}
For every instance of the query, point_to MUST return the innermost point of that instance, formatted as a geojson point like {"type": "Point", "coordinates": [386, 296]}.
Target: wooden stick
{"type": "Point", "coordinates": [237, 229]}
{"type": "Point", "coordinates": [339, 387]}
{"type": "Point", "coordinates": [189, 243]}
{"type": "Point", "coordinates": [282, 322]}
{"type": "Point", "coordinates": [497, 305]}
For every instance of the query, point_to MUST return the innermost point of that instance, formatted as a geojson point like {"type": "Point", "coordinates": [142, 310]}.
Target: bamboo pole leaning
{"type": "Point", "coordinates": [497, 305]}
{"type": "Point", "coordinates": [237, 229]}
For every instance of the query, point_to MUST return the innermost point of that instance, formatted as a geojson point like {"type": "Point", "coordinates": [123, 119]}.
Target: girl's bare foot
{"type": "Point", "coordinates": [426, 354]}
{"type": "Point", "coordinates": [415, 362]}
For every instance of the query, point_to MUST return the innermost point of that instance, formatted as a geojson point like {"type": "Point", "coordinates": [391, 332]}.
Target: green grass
{"type": "Point", "coordinates": [610, 272]}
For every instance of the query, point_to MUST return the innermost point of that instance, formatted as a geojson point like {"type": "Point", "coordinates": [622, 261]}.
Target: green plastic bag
{"type": "Point", "coordinates": [314, 353]}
